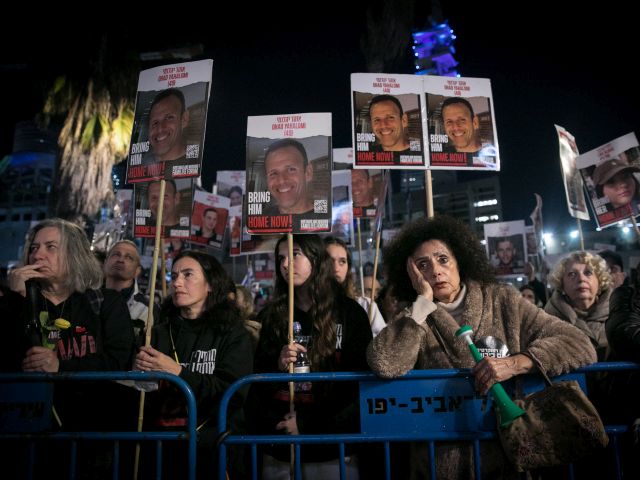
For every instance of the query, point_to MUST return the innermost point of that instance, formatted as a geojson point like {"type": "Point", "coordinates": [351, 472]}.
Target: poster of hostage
{"type": "Point", "coordinates": [506, 247]}
{"type": "Point", "coordinates": [388, 119]}
{"type": "Point", "coordinates": [611, 173]}
{"type": "Point", "coordinates": [209, 219]}
{"type": "Point", "coordinates": [176, 210]}
{"type": "Point", "coordinates": [288, 173]}
{"type": "Point", "coordinates": [169, 122]}
{"type": "Point", "coordinates": [342, 211]}
{"type": "Point", "coordinates": [366, 184]}
{"type": "Point", "coordinates": [462, 127]}
{"type": "Point", "coordinates": [573, 185]}
{"type": "Point", "coordinates": [235, 230]}
{"type": "Point", "coordinates": [231, 184]}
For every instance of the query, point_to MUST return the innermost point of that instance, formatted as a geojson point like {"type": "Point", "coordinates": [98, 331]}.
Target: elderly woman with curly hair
{"type": "Point", "coordinates": [440, 266]}
{"type": "Point", "coordinates": [582, 286]}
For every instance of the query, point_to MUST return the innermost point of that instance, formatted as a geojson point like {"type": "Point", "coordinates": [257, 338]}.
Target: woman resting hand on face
{"type": "Point", "coordinates": [439, 265]}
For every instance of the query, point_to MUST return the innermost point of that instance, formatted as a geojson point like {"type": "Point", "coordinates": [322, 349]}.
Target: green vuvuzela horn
{"type": "Point", "coordinates": [509, 411]}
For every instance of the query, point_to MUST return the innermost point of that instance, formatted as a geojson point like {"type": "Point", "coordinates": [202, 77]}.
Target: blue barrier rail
{"type": "Point", "coordinates": [31, 434]}
{"type": "Point", "coordinates": [390, 412]}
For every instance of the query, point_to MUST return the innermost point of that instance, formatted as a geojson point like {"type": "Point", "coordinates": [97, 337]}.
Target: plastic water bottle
{"type": "Point", "coordinates": [302, 365]}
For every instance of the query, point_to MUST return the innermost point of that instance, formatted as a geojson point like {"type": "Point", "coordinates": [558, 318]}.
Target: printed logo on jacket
{"type": "Point", "coordinates": [202, 361]}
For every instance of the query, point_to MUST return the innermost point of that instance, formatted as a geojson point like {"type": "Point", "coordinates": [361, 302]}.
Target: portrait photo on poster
{"type": "Point", "coordinates": [209, 219]}
{"type": "Point", "coordinates": [366, 188]}
{"type": "Point", "coordinates": [235, 230]}
{"type": "Point", "coordinates": [571, 178]}
{"type": "Point", "coordinates": [507, 254]}
{"type": "Point", "coordinates": [611, 175]}
{"type": "Point", "coordinates": [613, 190]}
{"type": "Point", "coordinates": [288, 184]}
{"type": "Point", "coordinates": [388, 130]}
{"type": "Point", "coordinates": [176, 209]}
{"type": "Point", "coordinates": [231, 184]}
{"type": "Point", "coordinates": [461, 132]}
{"type": "Point", "coordinates": [532, 241]}
{"type": "Point", "coordinates": [168, 133]}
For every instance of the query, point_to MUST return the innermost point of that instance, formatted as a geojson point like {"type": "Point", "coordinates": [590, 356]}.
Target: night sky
{"type": "Point", "coordinates": [546, 66]}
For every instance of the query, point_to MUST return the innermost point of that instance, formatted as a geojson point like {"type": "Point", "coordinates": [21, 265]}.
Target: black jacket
{"type": "Point", "coordinates": [622, 389]}
{"type": "Point", "coordinates": [212, 358]}
{"type": "Point", "coordinates": [327, 407]}
{"type": "Point", "coordinates": [623, 325]}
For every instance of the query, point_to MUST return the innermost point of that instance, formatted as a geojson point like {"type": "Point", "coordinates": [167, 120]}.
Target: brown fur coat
{"type": "Point", "coordinates": [590, 322]}
{"type": "Point", "coordinates": [498, 310]}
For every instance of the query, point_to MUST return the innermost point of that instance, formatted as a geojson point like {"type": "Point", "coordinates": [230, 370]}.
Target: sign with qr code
{"type": "Point", "coordinates": [320, 206]}
{"type": "Point", "coordinates": [289, 163]}
{"type": "Point", "coordinates": [402, 121]}
{"type": "Point", "coordinates": [388, 121]}
{"type": "Point", "coordinates": [169, 123]}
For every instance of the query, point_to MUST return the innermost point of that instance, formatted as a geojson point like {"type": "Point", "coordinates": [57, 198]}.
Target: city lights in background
{"type": "Point", "coordinates": [485, 203]}
{"type": "Point", "coordinates": [487, 218]}
{"type": "Point", "coordinates": [620, 236]}
{"type": "Point", "coordinates": [433, 50]}
{"type": "Point", "coordinates": [625, 227]}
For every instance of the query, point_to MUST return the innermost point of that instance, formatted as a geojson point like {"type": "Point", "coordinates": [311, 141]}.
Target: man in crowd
{"type": "Point", "coordinates": [121, 269]}
{"type": "Point", "coordinates": [533, 282]}
{"type": "Point", "coordinates": [289, 175]}
{"type": "Point", "coordinates": [616, 267]}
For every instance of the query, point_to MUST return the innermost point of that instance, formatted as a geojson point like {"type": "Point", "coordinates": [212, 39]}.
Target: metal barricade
{"type": "Point", "coordinates": [25, 407]}
{"type": "Point", "coordinates": [424, 405]}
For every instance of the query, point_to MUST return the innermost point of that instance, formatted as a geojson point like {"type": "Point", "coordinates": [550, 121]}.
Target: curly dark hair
{"type": "Point", "coordinates": [470, 255]}
{"type": "Point", "coordinates": [324, 291]}
{"type": "Point", "coordinates": [220, 309]}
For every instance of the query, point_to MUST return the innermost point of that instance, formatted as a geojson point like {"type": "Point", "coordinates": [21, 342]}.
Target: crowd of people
{"type": "Point", "coordinates": [437, 277]}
